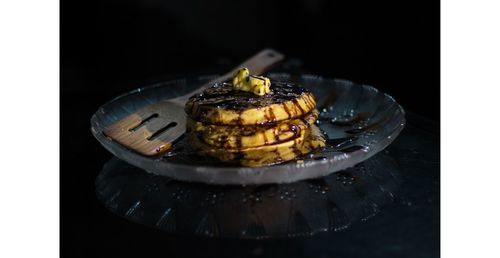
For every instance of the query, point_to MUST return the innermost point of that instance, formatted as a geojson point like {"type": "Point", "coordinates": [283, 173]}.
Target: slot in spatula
{"type": "Point", "coordinates": [153, 129]}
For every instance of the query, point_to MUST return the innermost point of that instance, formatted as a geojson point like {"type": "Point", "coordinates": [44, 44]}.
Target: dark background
{"type": "Point", "coordinates": [109, 47]}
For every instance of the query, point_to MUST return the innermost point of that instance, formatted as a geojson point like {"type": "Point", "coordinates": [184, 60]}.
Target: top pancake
{"type": "Point", "coordinates": [222, 105]}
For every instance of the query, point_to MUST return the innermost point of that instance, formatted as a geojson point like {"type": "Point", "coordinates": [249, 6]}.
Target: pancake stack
{"type": "Point", "coordinates": [250, 130]}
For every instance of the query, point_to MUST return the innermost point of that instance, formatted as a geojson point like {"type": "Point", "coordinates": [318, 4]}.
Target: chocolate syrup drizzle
{"type": "Point", "coordinates": [222, 95]}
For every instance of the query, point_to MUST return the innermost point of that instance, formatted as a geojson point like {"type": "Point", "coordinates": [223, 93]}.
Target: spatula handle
{"type": "Point", "coordinates": [258, 64]}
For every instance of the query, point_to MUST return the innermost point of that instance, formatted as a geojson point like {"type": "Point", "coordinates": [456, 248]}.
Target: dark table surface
{"type": "Point", "coordinates": [406, 227]}
{"type": "Point", "coordinates": [111, 47]}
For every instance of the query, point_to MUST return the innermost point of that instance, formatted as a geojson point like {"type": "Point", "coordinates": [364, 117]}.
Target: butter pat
{"type": "Point", "coordinates": [258, 85]}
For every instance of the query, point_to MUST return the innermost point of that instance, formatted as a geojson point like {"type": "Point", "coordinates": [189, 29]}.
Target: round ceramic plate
{"type": "Point", "coordinates": [358, 121]}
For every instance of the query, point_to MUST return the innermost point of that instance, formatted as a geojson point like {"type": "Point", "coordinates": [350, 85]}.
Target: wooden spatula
{"type": "Point", "coordinates": [153, 129]}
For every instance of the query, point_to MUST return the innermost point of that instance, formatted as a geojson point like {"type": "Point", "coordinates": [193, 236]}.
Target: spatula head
{"type": "Point", "coordinates": [151, 130]}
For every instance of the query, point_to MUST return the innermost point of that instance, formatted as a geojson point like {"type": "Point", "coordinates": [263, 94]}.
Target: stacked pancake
{"type": "Point", "coordinates": [251, 130]}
